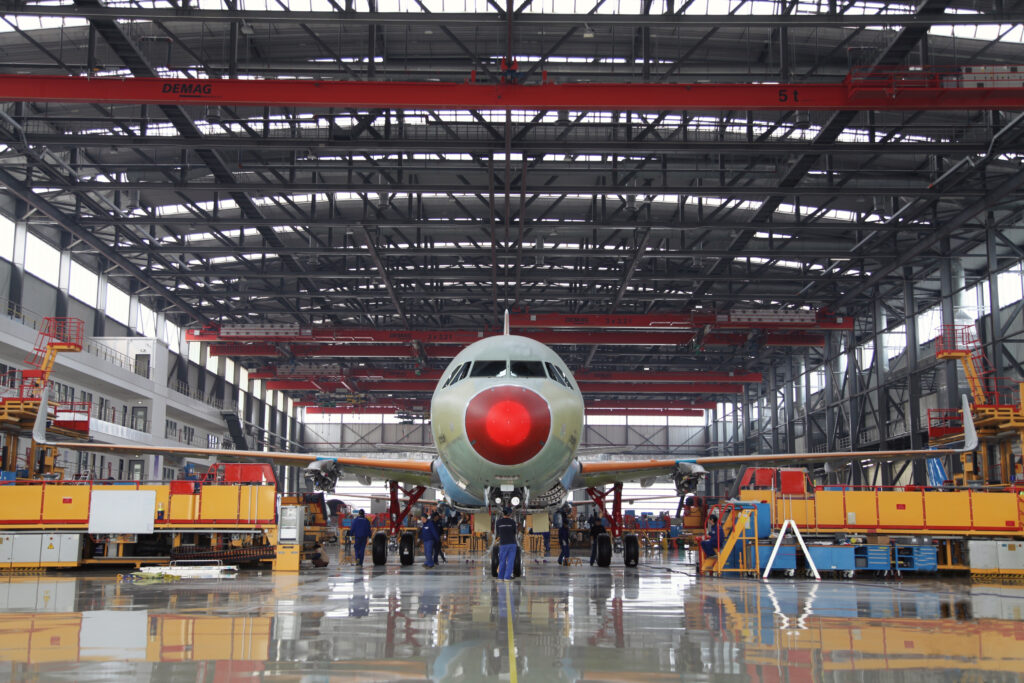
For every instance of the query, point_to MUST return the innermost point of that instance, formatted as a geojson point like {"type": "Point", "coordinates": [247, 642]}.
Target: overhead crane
{"type": "Point", "coordinates": [776, 328]}
{"type": "Point", "coordinates": [870, 89]}
{"type": "Point", "coordinates": [773, 328]}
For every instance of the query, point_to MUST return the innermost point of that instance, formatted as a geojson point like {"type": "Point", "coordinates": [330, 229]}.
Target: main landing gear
{"type": "Point", "coordinates": [397, 514]}
{"type": "Point", "coordinates": [609, 543]}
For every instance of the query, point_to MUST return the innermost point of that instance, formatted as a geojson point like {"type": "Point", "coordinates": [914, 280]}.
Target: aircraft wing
{"type": "Point", "coordinates": [417, 472]}
{"type": "Point", "coordinates": [610, 472]}
{"type": "Point", "coordinates": [692, 468]}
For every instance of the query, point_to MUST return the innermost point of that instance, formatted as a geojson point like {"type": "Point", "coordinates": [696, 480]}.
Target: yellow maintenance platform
{"type": "Point", "coordinates": [232, 518]}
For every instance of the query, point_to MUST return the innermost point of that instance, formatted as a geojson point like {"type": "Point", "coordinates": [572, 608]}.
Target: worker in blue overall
{"type": "Point", "coordinates": [505, 529]}
{"type": "Point", "coordinates": [360, 533]}
{"type": "Point", "coordinates": [715, 538]}
{"type": "Point", "coordinates": [596, 529]}
{"type": "Point", "coordinates": [429, 536]}
{"type": "Point", "coordinates": [563, 543]}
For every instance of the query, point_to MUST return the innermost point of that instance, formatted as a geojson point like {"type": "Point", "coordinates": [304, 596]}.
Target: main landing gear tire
{"type": "Point", "coordinates": [517, 564]}
{"type": "Point", "coordinates": [407, 548]}
{"type": "Point", "coordinates": [380, 548]}
{"type": "Point", "coordinates": [630, 550]}
{"type": "Point", "coordinates": [604, 550]}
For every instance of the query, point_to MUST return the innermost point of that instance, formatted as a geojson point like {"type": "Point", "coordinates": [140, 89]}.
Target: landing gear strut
{"type": "Point", "coordinates": [397, 515]}
{"type": "Point", "coordinates": [628, 545]}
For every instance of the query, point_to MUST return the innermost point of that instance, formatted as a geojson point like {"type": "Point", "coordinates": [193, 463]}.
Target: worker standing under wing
{"type": "Point", "coordinates": [430, 537]}
{"type": "Point", "coordinates": [360, 535]}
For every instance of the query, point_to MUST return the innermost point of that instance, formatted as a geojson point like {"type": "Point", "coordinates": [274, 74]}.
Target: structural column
{"type": "Point", "coordinates": [16, 288]}
{"type": "Point", "coordinates": [919, 471]}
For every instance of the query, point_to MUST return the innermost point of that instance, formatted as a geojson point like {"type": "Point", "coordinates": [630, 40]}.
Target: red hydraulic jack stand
{"type": "Point", "coordinates": [599, 498]}
{"type": "Point", "coordinates": [397, 515]}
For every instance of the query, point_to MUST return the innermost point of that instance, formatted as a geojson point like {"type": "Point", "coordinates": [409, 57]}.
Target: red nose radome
{"type": "Point", "coordinates": [508, 425]}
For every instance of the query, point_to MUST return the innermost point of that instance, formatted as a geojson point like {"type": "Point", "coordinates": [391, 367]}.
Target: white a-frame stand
{"type": "Point", "coordinates": [803, 546]}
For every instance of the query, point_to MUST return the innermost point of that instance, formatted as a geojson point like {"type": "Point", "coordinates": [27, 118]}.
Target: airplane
{"type": "Point", "coordinates": [507, 421]}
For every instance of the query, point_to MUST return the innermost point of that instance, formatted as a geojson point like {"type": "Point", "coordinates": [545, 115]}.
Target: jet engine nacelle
{"type": "Point", "coordinates": [687, 476]}
{"type": "Point", "coordinates": [322, 474]}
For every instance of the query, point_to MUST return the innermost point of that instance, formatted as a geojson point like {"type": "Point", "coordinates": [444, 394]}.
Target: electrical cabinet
{"type": "Point", "coordinates": [983, 555]}
{"type": "Point", "coordinates": [27, 549]}
{"type": "Point", "coordinates": [1010, 555]}
{"type": "Point", "coordinates": [292, 524]}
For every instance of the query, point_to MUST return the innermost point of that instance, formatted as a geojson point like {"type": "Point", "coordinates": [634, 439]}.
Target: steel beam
{"type": "Point", "coordinates": [583, 376]}
{"type": "Point", "coordinates": [476, 20]}
{"type": "Point", "coordinates": [736, 320]}
{"type": "Point", "coordinates": [846, 96]}
{"type": "Point", "coordinates": [550, 190]}
{"type": "Point", "coordinates": [397, 386]}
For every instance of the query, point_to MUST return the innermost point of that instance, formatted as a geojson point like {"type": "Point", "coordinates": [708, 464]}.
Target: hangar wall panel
{"type": "Point", "coordinates": [39, 298]}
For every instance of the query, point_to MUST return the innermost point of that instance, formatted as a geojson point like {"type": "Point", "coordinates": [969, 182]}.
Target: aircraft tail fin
{"type": "Point", "coordinates": [970, 433]}
{"type": "Point", "coordinates": [506, 323]}
{"type": "Point", "coordinates": [39, 427]}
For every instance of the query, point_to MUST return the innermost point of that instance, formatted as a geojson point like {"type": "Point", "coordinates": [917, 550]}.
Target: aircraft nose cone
{"type": "Point", "coordinates": [508, 425]}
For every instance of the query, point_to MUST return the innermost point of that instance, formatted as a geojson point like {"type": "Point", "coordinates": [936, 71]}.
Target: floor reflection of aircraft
{"type": "Point", "coordinates": [507, 420]}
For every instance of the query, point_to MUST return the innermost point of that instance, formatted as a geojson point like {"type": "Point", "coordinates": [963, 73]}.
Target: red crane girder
{"type": "Point", "coordinates": [734, 320]}
{"type": "Point", "coordinates": [282, 375]}
{"type": "Point", "coordinates": [398, 385]}
{"type": "Point", "coordinates": [461, 337]}
{"type": "Point", "coordinates": [357, 350]}
{"type": "Point", "coordinates": [925, 91]}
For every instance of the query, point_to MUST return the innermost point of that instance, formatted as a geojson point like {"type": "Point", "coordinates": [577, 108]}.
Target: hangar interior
{"type": "Point", "coordinates": [393, 224]}
{"type": "Point", "coordinates": [745, 226]}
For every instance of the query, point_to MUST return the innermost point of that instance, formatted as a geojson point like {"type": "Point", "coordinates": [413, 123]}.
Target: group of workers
{"type": "Point", "coordinates": [506, 531]}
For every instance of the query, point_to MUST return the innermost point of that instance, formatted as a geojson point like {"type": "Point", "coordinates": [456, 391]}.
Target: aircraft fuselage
{"type": "Point", "coordinates": [507, 416]}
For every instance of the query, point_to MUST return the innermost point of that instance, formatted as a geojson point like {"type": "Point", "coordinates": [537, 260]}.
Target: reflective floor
{"type": "Point", "coordinates": [657, 622]}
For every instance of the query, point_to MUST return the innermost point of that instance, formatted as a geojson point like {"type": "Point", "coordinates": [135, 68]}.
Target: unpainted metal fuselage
{"type": "Point", "coordinates": [482, 450]}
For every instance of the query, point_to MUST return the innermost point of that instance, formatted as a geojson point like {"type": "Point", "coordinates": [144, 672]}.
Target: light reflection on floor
{"type": "Point", "coordinates": [657, 622]}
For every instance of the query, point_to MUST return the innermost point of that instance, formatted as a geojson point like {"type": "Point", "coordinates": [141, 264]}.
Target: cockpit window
{"type": "Point", "coordinates": [555, 373]}
{"type": "Point", "coordinates": [527, 368]}
{"type": "Point", "coordinates": [457, 375]}
{"type": "Point", "coordinates": [489, 368]}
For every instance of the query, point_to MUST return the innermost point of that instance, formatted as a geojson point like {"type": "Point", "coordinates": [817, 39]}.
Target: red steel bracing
{"type": "Point", "coordinates": [858, 92]}
{"type": "Point", "coordinates": [397, 514]}
{"type": "Point", "coordinates": [600, 496]}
